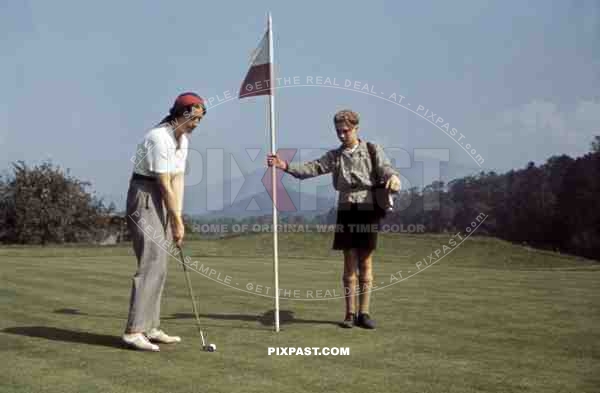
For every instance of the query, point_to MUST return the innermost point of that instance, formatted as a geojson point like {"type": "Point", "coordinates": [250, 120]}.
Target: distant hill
{"type": "Point", "coordinates": [252, 199]}
{"type": "Point", "coordinates": [203, 199]}
{"type": "Point", "coordinates": [303, 203]}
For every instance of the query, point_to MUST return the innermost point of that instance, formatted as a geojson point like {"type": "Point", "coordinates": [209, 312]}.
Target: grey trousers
{"type": "Point", "coordinates": [148, 225]}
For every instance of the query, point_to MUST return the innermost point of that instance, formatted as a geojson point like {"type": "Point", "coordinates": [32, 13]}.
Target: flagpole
{"type": "Point", "coordinates": [273, 171]}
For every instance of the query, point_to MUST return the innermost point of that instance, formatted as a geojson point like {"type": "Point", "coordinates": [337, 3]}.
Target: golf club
{"type": "Point", "coordinates": [205, 347]}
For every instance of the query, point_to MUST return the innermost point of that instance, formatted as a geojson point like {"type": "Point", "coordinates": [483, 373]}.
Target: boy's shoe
{"type": "Point", "coordinates": [139, 341]}
{"type": "Point", "coordinates": [157, 335]}
{"type": "Point", "coordinates": [349, 321]}
{"type": "Point", "coordinates": [365, 321]}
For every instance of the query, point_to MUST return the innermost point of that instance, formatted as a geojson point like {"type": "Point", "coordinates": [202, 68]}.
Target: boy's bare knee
{"type": "Point", "coordinates": [350, 277]}
{"type": "Point", "coordinates": [365, 278]}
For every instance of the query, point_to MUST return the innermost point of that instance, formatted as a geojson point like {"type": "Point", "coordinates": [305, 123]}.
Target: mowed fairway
{"type": "Point", "coordinates": [488, 317]}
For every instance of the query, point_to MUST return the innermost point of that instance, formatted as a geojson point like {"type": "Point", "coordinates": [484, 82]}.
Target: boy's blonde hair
{"type": "Point", "coordinates": [346, 116]}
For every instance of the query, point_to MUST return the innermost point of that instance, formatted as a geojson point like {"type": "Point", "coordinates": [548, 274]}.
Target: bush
{"type": "Point", "coordinates": [43, 204]}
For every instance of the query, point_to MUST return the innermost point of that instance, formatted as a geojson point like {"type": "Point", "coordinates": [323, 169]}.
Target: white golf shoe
{"type": "Point", "coordinates": [139, 341]}
{"type": "Point", "coordinates": [157, 335]}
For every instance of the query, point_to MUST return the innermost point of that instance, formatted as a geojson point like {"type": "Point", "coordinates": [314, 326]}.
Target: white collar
{"type": "Point", "coordinates": [352, 149]}
{"type": "Point", "coordinates": [171, 131]}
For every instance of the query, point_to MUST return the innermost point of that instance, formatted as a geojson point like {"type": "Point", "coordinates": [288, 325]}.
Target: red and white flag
{"type": "Point", "coordinates": [258, 79]}
{"type": "Point", "coordinates": [258, 82]}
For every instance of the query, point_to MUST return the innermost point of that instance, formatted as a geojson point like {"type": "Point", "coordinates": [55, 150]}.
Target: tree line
{"type": "Point", "coordinates": [552, 206]}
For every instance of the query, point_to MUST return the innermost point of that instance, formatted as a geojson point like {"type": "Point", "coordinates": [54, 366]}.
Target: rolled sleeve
{"type": "Point", "coordinates": [157, 159]}
{"type": "Point", "coordinates": [321, 166]}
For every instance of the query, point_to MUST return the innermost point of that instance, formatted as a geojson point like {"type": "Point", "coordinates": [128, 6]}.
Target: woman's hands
{"type": "Point", "coordinates": [178, 230]}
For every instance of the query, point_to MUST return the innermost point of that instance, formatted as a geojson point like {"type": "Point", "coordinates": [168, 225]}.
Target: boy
{"type": "Point", "coordinates": [355, 178]}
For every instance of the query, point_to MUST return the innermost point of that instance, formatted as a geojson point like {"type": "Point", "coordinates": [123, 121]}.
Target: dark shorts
{"type": "Point", "coordinates": [356, 227]}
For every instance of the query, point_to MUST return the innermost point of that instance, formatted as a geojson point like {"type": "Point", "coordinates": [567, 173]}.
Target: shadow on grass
{"type": "Point", "coordinates": [267, 319]}
{"type": "Point", "coordinates": [72, 336]}
{"type": "Point", "coordinates": [286, 317]}
{"type": "Point", "coordinates": [69, 311]}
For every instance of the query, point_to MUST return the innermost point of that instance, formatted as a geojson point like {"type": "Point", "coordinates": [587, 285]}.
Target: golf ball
{"type": "Point", "coordinates": [211, 348]}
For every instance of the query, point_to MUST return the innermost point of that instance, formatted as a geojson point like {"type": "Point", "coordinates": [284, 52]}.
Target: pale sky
{"type": "Point", "coordinates": [83, 81]}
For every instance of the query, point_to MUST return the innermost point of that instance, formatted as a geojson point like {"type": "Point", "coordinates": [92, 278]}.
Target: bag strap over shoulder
{"type": "Point", "coordinates": [379, 194]}
{"type": "Point", "coordinates": [373, 155]}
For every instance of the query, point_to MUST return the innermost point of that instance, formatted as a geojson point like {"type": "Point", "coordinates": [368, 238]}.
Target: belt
{"type": "Point", "coordinates": [137, 176]}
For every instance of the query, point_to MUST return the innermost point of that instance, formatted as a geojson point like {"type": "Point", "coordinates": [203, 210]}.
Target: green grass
{"type": "Point", "coordinates": [488, 317]}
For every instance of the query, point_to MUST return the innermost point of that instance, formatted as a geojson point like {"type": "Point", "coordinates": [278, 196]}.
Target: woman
{"type": "Point", "coordinates": [358, 168]}
{"type": "Point", "coordinates": [155, 200]}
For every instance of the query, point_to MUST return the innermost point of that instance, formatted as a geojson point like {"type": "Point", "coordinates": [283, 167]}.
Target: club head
{"type": "Point", "coordinates": [210, 348]}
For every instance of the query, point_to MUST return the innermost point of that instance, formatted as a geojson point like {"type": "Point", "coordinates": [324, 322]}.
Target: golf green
{"type": "Point", "coordinates": [487, 316]}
